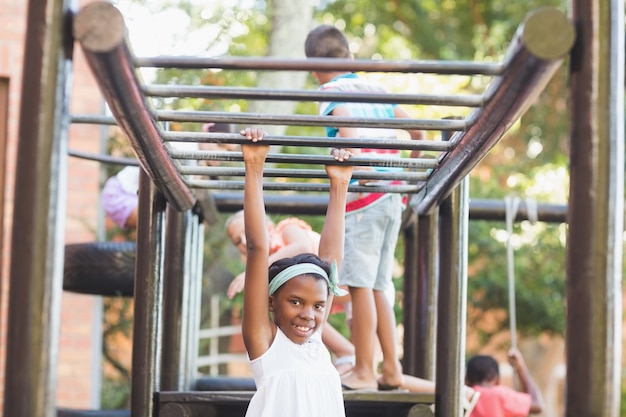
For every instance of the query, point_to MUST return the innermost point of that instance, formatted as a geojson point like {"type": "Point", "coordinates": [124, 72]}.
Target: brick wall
{"type": "Point", "coordinates": [12, 26]}
{"type": "Point", "coordinates": [79, 365]}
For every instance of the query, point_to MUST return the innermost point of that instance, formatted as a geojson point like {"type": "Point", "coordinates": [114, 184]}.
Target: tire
{"type": "Point", "coordinates": [100, 268]}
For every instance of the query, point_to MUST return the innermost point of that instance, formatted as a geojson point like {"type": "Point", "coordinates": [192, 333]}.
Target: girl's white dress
{"type": "Point", "coordinates": [296, 381]}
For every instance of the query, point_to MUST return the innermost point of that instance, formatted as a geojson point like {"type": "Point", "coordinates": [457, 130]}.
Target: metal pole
{"type": "Point", "coordinates": [596, 204]}
{"type": "Point", "coordinates": [196, 250]}
{"type": "Point", "coordinates": [148, 292]}
{"type": "Point", "coordinates": [175, 302]}
{"type": "Point", "coordinates": [411, 300]}
{"type": "Point", "coordinates": [36, 269]}
{"type": "Point", "coordinates": [420, 296]}
{"type": "Point", "coordinates": [452, 302]}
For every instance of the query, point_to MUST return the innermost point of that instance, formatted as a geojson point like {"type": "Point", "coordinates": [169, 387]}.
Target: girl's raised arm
{"type": "Point", "coordinates": [257, 328]}
{"type": "Point", "coordinates": [332, 236]}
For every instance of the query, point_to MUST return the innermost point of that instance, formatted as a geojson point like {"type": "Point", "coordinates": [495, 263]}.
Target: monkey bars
{"type": "Point", "coordinates": [539, 47]}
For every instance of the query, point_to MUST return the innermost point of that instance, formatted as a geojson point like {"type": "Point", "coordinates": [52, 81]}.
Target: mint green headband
{"type": "Point", "coordinates": [303, 269]}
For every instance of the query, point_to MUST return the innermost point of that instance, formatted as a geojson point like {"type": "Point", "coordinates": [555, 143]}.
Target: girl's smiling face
{"type": "Point", "coordinates": [299, 307]}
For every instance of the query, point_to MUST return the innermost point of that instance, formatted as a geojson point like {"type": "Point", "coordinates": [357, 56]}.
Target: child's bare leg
{"type": "Point", "coordinates": [340, 347]}
{"type": "Point", "coordinates": [391, 370]}
{"type": "Point", "coordinates": [418, 385]}
{"type": "Point", "coordinates": [363, 337]}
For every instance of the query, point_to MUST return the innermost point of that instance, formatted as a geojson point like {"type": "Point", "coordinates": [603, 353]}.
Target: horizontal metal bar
{"type": "Point", "coordinates": [197, 402]}
{"type": "Point", "coordinates": [258, 118]}
{"type": "Point", "coordinates": [409, 163]}
{"type": "Point", "coordinates": [219, 331]}
{"type": "Point", "coordinates": [322, 64]}
{"type": "Point", "coordinates": [105, 159]}
{"type": "Point", "coordinates": [312, 205]}
{"type": "Point", "coordinates": [301, 173]}
{"type": "Point", "coordinates": [302, 204]}
{"type": "Point", "coordinates": [305, 186]}
{"type": "Point", "coordinates": [313, 141]}
{"type": "Point", "coordinates": [276, 173]}
{"type": "Point", "coordinates": [482, 209]}
{"type": "Point", "coordinates": [220, 358]}
{"type": "Point", "coordinates": [531, 61]}
{"type": "Point", "coordinates": [195, 91]}
{"type": "Point", "coordinates": [110, 60]}
{"type": "Point", "coordinates": [304, 120]}
{"type": "Point", "coordinates": [93, 119]}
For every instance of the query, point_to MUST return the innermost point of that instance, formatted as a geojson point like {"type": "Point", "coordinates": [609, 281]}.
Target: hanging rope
{"type": "Point", "coordinates": [512, 204]}
{"type": "Point", "coordinates": [531, 209]}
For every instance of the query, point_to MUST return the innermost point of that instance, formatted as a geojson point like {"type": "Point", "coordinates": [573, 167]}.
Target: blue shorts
{"type": "Point", "coordinates": [370, 243]}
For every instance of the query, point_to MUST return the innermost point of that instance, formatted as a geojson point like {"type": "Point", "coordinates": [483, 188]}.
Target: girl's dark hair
{"type": "Point", "coordinates": [481, 368]}
{"type": "Point", "coordinates": [310, 258]}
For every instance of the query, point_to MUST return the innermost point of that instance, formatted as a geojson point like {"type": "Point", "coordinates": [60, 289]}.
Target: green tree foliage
{"type": "Point", "coordinates": [450, 30]}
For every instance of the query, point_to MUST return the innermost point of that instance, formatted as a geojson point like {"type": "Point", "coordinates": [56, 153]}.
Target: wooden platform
{"type": "Point", "coordinates": [234, 404]}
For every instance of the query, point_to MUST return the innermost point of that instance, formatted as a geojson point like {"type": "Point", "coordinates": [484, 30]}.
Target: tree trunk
{"type": "Point", "coordinates": [291, 22]}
